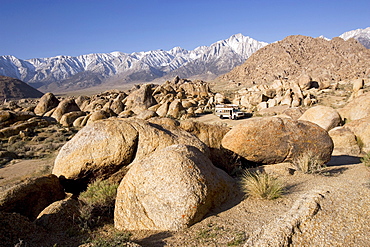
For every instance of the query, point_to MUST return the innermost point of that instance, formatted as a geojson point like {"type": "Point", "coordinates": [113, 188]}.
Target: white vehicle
{"type": "Point", "coordinates": [228, 111]}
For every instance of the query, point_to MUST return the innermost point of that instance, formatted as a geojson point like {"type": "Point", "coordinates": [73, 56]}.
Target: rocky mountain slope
{"type": "Point", "coordinates": [11, 88]}
{"type": "Point", "coordinates": [322, 60]}
{"type": "Point", "coordinates": [69, 73]}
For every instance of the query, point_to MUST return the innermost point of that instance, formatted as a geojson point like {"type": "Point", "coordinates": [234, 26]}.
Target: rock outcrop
{"type": "Point", "coordinates": [141, 98]}
{"type": "Point", "coordinates": [297, 55]}
{"type": "Point", "coordinates": [169, 190]}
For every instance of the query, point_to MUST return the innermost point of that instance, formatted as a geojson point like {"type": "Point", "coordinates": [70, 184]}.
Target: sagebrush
{"type": "Point", "coordinates": [97, 202]}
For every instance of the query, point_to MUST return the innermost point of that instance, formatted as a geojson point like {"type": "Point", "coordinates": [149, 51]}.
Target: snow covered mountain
{"type": "Point", "coordinates": [219, 58]}
{"type": "Point", "coordinates": [70, 73]}
{"type": "Point", "coordinates": [362, 35]}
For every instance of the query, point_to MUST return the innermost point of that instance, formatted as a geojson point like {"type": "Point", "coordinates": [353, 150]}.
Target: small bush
{"type": "Point", "coordinates": [366, 159]}
{"type": "Point", "coordinates": [97, 202]}
{"type": "Point", "coordinates": [309, 163]}
{"type": "Point", "coordinates": [100, 193]}
{"type": "Point", "coordinates": [261, 185]}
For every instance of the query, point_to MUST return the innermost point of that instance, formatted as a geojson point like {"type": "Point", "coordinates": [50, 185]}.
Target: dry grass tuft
{"type": "Point", "coordinates": [262, 185]}
{"type": "Point", "coordinates": [309, 163]}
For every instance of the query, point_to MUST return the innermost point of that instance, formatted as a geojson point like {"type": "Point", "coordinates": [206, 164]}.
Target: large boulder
{"type": "Point", "coordinates": [175, 109]}
{"type": "Point", "coordinates": [103, 147]}
{"type": "Point", "coordinates": [357, 84]}
{"type": "Point", "coordinates": [273, 140]}
{"type": "Point", "coordinates": [65, 106]}
{"type": "Point", "coordinates": [117, 106]}
{"type": "Point", "coordinates": [361, 129]}
{"type": "Point", "coordinates": [59, 215]}
{"type": "Point", "coordinates": [163, 109]}
{"type": "Point", "coordinates": [304, 81]}
{"type": "Point", "coordinates": [32, 196]}
{"type": "Point", "coordinates": [345, 142]}
{"type": "Point", "coordinates": [324, 116]}
{"type": "Point", "coordinates": [47, 102]}
{"type": "Point", "coordinates": [68, 118]}
{"type": "Point", "coordinates": [141, 98]}
{"type": "Point", "coordinates": [357, 108]}
{"type": "Point", "coordinates": [99, 148]}
{"type": "Point", "coordinates": [212, 135]}
{"type": "Point", "coordinates": [169, 190]}
{"type": "Point", "coordinates": [97, 115]}
{"type": "Point", "coordinates": [209, 134]}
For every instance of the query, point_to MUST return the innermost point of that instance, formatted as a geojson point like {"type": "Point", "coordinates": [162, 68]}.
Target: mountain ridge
{"type": "Point", "coordinates": [59, 71]}
{"type": "Point", "coordinates": [66, 73]}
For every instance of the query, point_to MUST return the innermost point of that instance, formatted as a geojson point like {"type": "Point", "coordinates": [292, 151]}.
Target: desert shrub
{"type": "Point", "coordinates": [261, 185]}
{"type": "Point", "coordinates": [366, 159]}
{"type": "Point", "coordinates": [101, 193]}
{"type": "Point", "coordinates": [308, 163]}
{"type": "Point", "coordinates": [97, 202]}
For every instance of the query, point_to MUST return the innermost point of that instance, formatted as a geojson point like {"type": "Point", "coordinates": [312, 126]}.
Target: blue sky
{"type": "Point", "coordinates": [46, 28]}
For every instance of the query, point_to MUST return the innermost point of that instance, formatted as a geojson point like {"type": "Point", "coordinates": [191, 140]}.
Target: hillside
{"type": "Point", "coordinates": [11, 88]}
{"type": "Point", "coordinates": [321, 59]}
